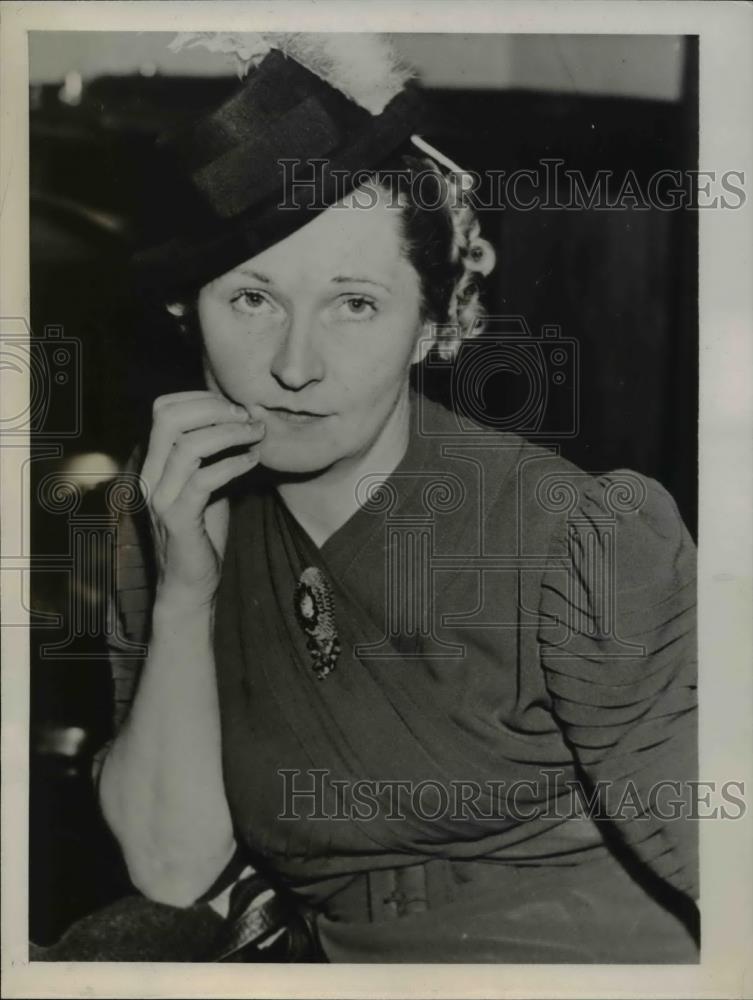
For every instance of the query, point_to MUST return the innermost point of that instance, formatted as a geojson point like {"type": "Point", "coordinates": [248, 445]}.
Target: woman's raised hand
{"type": "Point", "coordinates": [187, 428]}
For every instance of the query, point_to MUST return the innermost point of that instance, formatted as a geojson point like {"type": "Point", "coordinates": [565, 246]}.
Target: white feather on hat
{"type": "Point", "coordinates": [365, 67]}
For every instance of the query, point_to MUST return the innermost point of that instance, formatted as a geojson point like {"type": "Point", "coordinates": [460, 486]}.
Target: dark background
{"type": "Point", "coordinates": [621, 283]}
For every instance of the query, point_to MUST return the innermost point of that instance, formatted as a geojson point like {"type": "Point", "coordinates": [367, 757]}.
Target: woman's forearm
{"type": "Point", "coordinates": [161, 785]}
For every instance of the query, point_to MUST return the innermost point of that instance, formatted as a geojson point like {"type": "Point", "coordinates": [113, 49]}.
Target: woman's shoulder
{"type": "Point", "coordinates": [547, 495]}
{"type": "Point", "coordinates": [618, 502]}
{"type": "Point", "coordinates": [620, 568]}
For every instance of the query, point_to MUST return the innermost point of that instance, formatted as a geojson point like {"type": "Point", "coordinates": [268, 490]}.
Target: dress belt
{"type": "Point", "coordinates": [390, 893]}
{"type": "Point", "coordinates": [385, 894]}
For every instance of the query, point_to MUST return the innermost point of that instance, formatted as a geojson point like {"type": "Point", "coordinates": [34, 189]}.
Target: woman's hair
{"type": "Point", "coordinates": [441, 240]}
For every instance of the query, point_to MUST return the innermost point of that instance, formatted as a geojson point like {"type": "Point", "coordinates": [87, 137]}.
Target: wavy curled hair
{"type": "Point", "coordinates": [441, 239]}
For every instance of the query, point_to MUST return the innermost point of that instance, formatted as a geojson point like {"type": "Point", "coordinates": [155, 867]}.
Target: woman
{"type": "Point", "coordinates": [426, 678]}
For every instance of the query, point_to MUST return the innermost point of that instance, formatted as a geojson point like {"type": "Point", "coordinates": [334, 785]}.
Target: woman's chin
{"type": "Point", "coordinates": [293, 458]}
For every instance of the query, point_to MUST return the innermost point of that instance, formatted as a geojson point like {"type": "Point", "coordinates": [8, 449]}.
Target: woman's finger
{"type": "Point", "coordinates": [188, 451]}
{"type": "Point", "coordinates": [177, 414]}
{"type": "Point", "coordinates": [188, 510]}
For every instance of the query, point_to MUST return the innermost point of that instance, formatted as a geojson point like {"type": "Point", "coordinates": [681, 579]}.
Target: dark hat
{"type": "Point", "coordinates": [283, 148]}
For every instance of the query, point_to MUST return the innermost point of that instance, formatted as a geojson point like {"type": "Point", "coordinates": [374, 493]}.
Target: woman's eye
{"type": "Point", "coordinates": [252, 302]}
{"type": "Point", "coordinates": [359, 307]}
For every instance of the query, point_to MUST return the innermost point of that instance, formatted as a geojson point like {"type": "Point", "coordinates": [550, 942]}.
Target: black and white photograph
{"type": "Point", "coordinates": [354, 466]}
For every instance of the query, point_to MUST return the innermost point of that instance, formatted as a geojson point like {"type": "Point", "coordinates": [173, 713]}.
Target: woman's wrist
{"type": "Point", "coordinates": [177, 605]}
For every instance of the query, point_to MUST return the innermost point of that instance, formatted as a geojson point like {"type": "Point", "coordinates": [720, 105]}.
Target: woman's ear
{"type": "Point", "coordinates": [424, 342]}
{"type": "Point", "coordinates": [176, 309]}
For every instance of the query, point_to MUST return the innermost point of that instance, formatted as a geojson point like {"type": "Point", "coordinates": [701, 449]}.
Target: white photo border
{"type": "Point", "coordinates": [725, 31]}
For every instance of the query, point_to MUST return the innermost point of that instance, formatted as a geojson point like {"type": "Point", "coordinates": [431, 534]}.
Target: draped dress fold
{"type": "Point", "coordinates": [497, 768]}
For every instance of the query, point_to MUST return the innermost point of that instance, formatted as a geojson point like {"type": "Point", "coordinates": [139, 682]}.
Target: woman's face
{"type": "Point", "coordinates": [319, 331]}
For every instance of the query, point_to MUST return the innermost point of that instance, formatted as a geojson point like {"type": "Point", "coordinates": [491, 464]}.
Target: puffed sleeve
{"type": "Point", "coordinates": [129, 612]}
{"type": "Point", "coordinates": [617, 637]}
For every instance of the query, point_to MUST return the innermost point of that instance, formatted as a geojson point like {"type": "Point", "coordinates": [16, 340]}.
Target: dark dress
{"type": "Point", "coordinates": [476, 780]}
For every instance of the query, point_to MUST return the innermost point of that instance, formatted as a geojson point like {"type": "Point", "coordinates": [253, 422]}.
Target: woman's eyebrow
{"type": "Point", "coordinates": [341, 278]}
{"type": "Point", "coordinates": [249, 273]}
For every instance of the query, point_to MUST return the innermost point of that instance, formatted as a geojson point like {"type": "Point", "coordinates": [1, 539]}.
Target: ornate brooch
{"type": "Point", "coordinates": [314, 608]}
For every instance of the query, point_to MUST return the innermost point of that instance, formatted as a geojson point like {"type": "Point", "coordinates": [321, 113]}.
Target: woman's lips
{"type": "Point", "coordinates": [295, 416]}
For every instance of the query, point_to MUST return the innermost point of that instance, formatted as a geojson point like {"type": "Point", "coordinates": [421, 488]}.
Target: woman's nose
{"type": "Point", "coordinates": [297, 361]}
